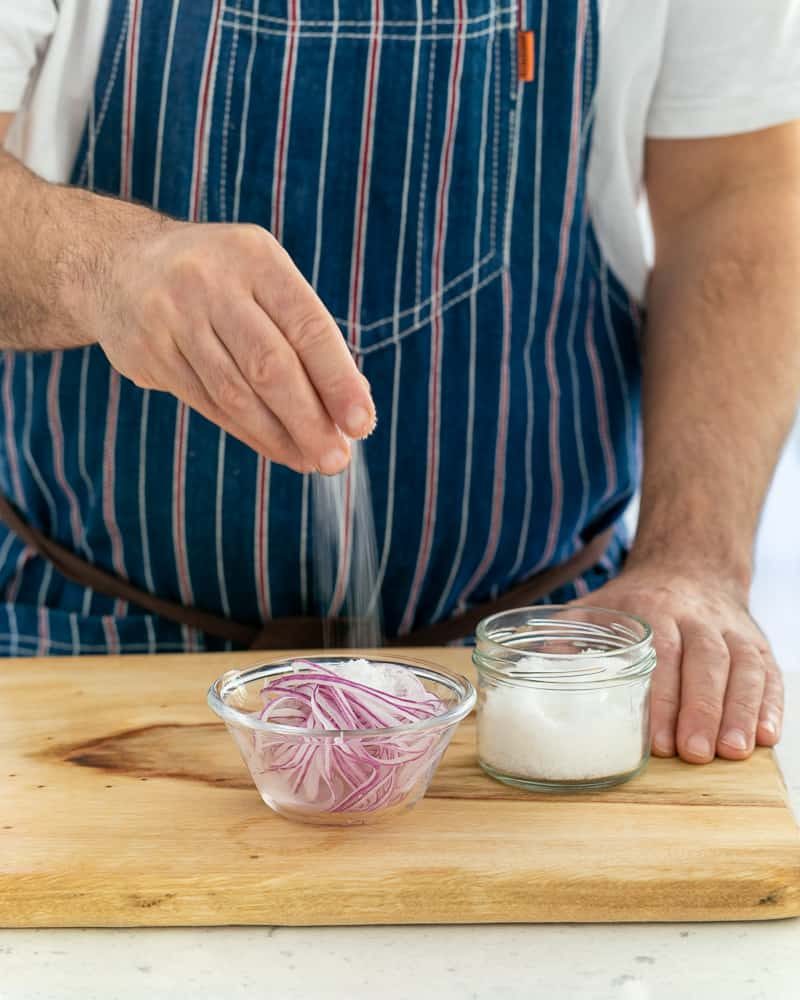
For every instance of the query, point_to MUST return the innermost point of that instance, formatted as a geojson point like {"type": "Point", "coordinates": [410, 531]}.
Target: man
{"type": "Point", "coordinates": [454, 187]}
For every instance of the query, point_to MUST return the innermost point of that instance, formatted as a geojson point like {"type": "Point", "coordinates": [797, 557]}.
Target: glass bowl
{"type": "Point", "coordinates": [309, 775]}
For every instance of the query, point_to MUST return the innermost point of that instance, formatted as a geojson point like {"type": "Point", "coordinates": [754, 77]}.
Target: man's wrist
{"type": "Point", "coordinates": [684, 554]}
{"type": "Point", "coordinates": [85, 268]}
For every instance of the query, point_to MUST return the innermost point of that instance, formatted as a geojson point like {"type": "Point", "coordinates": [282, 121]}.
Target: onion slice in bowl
{"type": "Point", "coordinates": [352, 774]}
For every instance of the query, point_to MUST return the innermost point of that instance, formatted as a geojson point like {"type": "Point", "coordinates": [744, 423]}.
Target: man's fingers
{"type": "Point", "coordinates": [666, 688]}
{"type": "Point", "coordinates": [316, 339]}
{"type": "Point", "coordinates": [705, 667]}
{"type": "Point", "coordinates": [770, 720]}
{"type": "Point", "coordinates": [235, 287]}
{"type": "Point", "coordinates": [743, 697]}
{"type": "Point", "coordinates": [275, 374]}
{"type": "Point", "coordinates": [247, 419]}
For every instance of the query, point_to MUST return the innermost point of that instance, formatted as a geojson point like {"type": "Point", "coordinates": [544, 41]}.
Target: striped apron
{"type": "Point", "coordinates": [437, 203]}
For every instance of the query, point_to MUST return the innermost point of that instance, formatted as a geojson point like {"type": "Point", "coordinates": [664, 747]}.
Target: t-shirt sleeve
{"type": "Point", "coordinates": [25, 29]}
{"type": "Point", "coordinates": [728, 66]}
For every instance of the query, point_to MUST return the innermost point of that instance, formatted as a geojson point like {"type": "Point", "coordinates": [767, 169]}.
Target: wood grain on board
{"type": "Point", "coordinates": [123, 802]}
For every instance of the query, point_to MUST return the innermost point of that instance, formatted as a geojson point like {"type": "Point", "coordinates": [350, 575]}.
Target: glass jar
{"type": "Point", "coordinates": [563, 697]}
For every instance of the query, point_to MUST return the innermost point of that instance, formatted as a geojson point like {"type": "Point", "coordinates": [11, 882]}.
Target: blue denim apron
{"type": "Point", "coordinates": [438, 206]}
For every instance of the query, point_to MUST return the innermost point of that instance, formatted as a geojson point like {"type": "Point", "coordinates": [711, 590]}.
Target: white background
{"type": "Point", "coordinates": [776, 588]}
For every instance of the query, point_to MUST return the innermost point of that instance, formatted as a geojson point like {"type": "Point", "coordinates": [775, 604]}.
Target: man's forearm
{"type": "Point", "coordinates": [721, 376]}
{"type": "Point", "coordinates": [55, 247]}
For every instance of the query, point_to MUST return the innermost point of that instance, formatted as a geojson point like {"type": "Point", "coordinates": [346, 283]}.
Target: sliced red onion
{"type": "Point", "coordinates": [346, 773]}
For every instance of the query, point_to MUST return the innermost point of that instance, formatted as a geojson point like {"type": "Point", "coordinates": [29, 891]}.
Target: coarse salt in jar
{"type": "Point", "coordinates": [563, 697]}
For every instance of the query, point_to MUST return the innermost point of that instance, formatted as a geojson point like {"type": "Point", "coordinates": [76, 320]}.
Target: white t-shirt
{"type": "Point", "coordinates": [668, 69]}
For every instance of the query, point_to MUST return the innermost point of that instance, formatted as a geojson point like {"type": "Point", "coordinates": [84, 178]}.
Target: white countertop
{"type": "Point", "coordinates": [737, 961]}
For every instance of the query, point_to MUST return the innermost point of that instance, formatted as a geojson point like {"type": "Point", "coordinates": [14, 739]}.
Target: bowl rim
{"type": "Point", "coordinates": [423, 668]}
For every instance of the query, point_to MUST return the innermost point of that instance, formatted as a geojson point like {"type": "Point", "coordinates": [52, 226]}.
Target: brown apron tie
{"type": "Point", "coordinates": [295, 632]}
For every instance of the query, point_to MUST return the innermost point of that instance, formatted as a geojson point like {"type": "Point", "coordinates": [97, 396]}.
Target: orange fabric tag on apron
{"type": "Point", "coordinates": [525, 56]}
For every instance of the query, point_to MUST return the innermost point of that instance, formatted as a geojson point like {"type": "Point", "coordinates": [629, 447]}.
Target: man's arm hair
{"type": "Point", "coordinates": [55, 246]}
{"type": "Point", "coordinates": [722, 344]}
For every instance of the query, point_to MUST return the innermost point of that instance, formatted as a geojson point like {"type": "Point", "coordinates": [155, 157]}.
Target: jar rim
{"type": "Point", "coordinates": [483, 627]}
{"type": "Point", "coordinates": [491, 655]}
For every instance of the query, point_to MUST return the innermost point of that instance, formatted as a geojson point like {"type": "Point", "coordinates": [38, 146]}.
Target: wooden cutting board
{"type": "Point", "coordinates": [124, 802]}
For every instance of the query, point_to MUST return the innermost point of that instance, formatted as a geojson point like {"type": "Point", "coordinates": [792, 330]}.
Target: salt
{"type": "Point", "coordinates": [344, 553]}
{"type": "Point", "coordinates": [567, 731]}
{"type": "Point", "coordinates": [381, 676]}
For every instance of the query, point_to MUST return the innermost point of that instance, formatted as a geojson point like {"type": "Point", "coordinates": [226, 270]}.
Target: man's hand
{"type": "Point", "coordinates": [721, 371]}
{"type": "Point", "coordinates": [716, 688]}
{"type": "Point", "coordinates": [217, 315]}
{"type": "Point", "coordinates": [220, 317]}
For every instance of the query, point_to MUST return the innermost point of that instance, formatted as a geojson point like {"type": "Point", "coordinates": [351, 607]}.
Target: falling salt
{"type": "Point", "coordinates": [565, 732]}
{"type": "Point", "coordinates": [345, 554]}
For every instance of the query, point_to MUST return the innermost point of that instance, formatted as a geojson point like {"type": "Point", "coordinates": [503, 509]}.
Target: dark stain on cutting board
{"type": "Point", "coordinates": [199, 752]}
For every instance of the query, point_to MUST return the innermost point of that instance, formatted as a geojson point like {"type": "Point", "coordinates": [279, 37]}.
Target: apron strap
{"type": "Point", "coordinates": [296, 632]}
{"type": "Point", "coordinates": [80, 571]}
